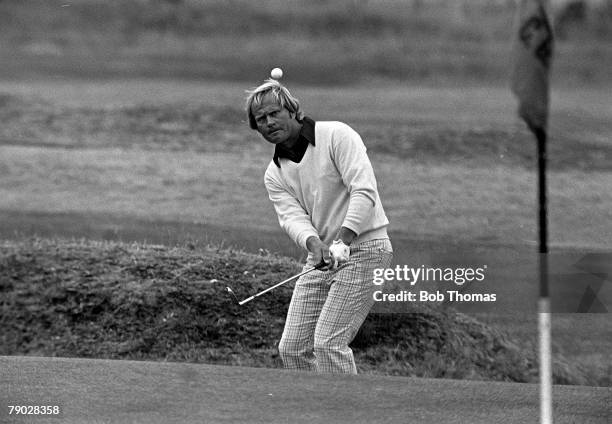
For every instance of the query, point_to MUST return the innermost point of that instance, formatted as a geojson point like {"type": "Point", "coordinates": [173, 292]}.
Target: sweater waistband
{"type": "Point", "coordinates": [377, 233]}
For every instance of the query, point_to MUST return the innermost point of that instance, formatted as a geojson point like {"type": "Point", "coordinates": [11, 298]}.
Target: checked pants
{"type": "Point", "coordinates": [328, 307]}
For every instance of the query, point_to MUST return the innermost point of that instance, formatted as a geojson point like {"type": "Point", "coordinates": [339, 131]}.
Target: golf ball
{"type": "Point", "coordinates": [276, 73]}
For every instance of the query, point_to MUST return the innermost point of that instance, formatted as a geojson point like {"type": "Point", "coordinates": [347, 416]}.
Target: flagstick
{"type": "Point", "coordinates": [544, 301]}
{"type": "Point", "coordinates": [530, 83]}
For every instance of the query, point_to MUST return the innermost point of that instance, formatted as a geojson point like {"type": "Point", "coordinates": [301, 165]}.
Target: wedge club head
{"type": "Point", "coordinates": [233, 294]}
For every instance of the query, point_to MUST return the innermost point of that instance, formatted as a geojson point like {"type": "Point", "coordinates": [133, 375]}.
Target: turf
{"type": "Point", "coordinates": [96, 390]}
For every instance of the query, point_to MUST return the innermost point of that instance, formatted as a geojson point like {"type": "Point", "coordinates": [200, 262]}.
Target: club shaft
{"type": "Point", "coordinates": [248, 299]}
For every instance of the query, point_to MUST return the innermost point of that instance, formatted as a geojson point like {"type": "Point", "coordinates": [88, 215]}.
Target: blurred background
{"type": "Point", "coordinates": [319, 41]}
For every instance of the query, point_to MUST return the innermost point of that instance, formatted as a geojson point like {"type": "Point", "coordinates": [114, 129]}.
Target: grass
{"type": "Point", "coordinates": [589, 354]}
{"type": "Point", "coordinates": [135, 301]}
{"type": "Point", "coordinates": [201, 188]}
{"type": "Point", "coordinates": [470, 178]}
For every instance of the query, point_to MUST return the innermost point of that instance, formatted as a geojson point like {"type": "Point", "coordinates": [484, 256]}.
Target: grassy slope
{"type": "Point", "coordinates": [113, 300]}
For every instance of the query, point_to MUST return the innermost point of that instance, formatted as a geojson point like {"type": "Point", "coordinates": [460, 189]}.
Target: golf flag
{"type": "Point", "coordinates": [533, 47]}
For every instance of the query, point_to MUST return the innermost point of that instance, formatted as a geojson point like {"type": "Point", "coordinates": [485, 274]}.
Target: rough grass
{"type": "Point", "coordinates": [136, 301]}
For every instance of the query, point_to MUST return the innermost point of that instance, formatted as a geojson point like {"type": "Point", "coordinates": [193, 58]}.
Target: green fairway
{"type": "Point", "coordinates": [94, 391]}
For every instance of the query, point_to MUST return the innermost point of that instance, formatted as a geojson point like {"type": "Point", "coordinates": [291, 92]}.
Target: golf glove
{"type": "Point", "coordinates": [339, 253]}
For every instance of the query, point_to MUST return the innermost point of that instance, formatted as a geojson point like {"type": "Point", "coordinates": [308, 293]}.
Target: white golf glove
{"type": "Point", "coordinates": [339, 253]}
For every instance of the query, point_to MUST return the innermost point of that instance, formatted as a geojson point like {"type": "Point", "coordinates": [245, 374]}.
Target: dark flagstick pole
{"type": "Point", "coordinates": [543, 226]}
{"type": "Point", "coordinates": [544, 301]}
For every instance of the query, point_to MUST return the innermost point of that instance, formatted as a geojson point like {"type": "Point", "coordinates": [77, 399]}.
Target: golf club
{"type": "Point", "coordinates": [248, 299]}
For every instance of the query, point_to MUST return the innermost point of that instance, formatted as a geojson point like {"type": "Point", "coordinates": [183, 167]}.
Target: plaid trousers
{"type": "Point", "coordinates": [328, 307]}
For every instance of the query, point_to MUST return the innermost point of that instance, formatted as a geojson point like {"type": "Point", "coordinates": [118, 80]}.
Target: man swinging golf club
{"type": "Point", "coordinates": [321, 183]}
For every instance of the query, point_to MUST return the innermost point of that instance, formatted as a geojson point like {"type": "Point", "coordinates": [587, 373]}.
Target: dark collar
{"type": "Point", "coordinates": [296, 153]}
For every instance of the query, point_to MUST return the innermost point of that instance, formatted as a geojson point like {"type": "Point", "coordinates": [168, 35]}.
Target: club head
{"type": "Point", "coordinates": [233, 294]}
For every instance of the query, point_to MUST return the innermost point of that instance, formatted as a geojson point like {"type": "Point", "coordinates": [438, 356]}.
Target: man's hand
{"type": "Point", "coordinates": [339, 253]}
{"type": "Point", "coordinates": [319, 250]}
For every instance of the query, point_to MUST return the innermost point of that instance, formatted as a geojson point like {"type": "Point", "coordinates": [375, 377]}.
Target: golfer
{"type": "Point", "coordinates": [323, 189]}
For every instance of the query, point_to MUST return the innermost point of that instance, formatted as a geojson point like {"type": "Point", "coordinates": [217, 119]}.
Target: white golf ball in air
{"type": "Point", "coordinates": [276, 73]}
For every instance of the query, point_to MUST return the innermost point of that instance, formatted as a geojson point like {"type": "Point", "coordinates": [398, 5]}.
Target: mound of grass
{"type": "Point", "coordinates": [134, 301]}
{"type": "Point", "coordinates": [114, 300]}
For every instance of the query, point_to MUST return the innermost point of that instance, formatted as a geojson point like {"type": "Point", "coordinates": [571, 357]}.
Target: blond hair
{"type": "Point", "coordinates": [278, 92]}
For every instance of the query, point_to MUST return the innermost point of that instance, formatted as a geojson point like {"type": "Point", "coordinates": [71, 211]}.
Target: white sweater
{"type": "Point", "coordinates": [332, 186]}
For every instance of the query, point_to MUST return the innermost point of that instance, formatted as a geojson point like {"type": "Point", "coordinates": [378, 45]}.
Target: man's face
{"type": "Point", "coordinates": [275, 123]}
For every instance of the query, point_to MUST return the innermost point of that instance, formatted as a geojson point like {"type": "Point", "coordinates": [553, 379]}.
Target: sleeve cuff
{"type": "Point", "coordinates": [359, 212]}
{"type": "Point", "coordinates": [302, 237]}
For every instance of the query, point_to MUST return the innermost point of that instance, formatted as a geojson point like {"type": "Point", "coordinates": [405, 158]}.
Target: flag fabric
{"type": "Point", "coordinates": [533, 48]}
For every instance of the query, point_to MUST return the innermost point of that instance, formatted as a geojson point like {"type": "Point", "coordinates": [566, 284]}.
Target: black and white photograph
{"type": "Point", "coordinates": [291, 211]}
